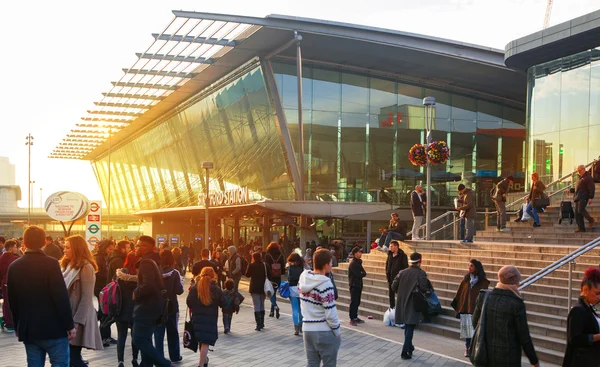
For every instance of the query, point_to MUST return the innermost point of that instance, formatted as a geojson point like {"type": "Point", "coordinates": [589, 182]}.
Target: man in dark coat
{"type": "Point", "coordinates": [404, 284]}
{"type": "Point", "coordinates": [584, 193]}
{"type": "Point", "coordinates": [40, 303]}
{"type": "Point", "coordinates": [51, 249]}
{"type": "Point", "coordinates": [145, 248]}
{"type": "Point", "coordinates": [116, 259]}
{"type": "Point", "coordinates": [470, 210]}
{"type": "Point", "coordinates": [418, 203]}
{"type": "Point", "coordinates": [499, 199]}
{"type": "Point", "coordinates": [396, 261]}
{"type": "Point", "coordinates": [204, 262]}
{"type": "Point", "coordinates": [105, 247]}
{"type": "Point", "coordinates": [356, 273]}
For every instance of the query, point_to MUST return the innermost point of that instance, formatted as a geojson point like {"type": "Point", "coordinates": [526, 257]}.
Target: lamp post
{"type": "Point", "coordinates": [41, 202]}
{"type": "Point", "coordinates": [109, 172]}
{"type": "Point", "coordinates": [429, 105]}
{"type": "Point", "coordinates": [207, 166]}
{"type": "Point", "coordinates": [29, 143]}
{"type": "Point", "coordinates": [31, 193]}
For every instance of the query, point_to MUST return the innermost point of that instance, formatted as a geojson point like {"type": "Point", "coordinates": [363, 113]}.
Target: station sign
{"type": "Point", "coordinates": [222, 198]}
{"type": "Point", "coordinates": [66, 206]}
{"type": "Point", "coordinates": [93, 223]}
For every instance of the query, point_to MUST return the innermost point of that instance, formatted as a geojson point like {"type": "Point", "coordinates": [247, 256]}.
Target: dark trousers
{"type": "Point", "coordinates": [172, 338]}
{"type": "Point", "coordinates": [355, 294]}
{"type": "Point", "coordinates": [227, 320]}
{"type": "Point", "coordinates": [104, 326]}
{"type": "Point", "coordinates": [392, 295]}
{"type": "Point", "coordinates": [76, 360]}
{"type": "Point", "coordinates": [581, 212]}
{"type": "Point", "coordinates": [462, 228]}
{"type": "Point", "coordinates": [122, 329]}
{"type": "Point", "coordinates": [409, 331]}
{"type": "Point", "coordinates": [143, 329]}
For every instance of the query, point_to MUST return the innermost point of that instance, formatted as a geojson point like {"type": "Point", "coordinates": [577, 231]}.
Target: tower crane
{"type": "Point", "coordinates": [548, 14]}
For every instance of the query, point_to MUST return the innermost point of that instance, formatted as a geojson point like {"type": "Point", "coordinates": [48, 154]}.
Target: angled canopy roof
{"type": "Point", "coordinates": [197, 49]}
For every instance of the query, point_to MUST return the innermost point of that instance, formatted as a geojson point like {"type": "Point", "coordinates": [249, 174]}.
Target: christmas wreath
{"type": "Point", "coordinates": [438, 152]}
{"type": "Point", "coordinates": [417, 155]}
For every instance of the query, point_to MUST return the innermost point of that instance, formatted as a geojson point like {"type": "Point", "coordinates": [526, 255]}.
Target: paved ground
{"type": "Point", "coordinates": [277, 346]}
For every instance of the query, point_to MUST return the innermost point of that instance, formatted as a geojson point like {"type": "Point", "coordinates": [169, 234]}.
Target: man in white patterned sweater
{"type": "Point", "coordinates": [321, 325]}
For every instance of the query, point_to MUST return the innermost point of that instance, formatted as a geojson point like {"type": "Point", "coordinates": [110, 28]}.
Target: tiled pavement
{"type": "Point", "coordinates": [371, 344]}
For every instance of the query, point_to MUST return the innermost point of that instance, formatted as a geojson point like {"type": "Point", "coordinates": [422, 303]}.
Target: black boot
{"type": "Point", "coordinates": [272, 313]}
{"type": "Point", "coordinates": [277, 312]}
{"type": "Point", "coordinates": [262, 320]}
{"type": "Point", "coordinates": [257, 319]}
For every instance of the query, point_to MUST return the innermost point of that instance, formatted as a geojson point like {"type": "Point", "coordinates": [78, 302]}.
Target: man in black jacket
{"type": "Point", "coordinates": [418, 203]}
{"type": "Point", "coordinates": [51, 249]}
{"type": "Point", "coordinates": [145, 248]}
{"type": "Point", "coordinates": [396, 261]}
{"type": "Point", "coordinates": [40, 304]}
{"type": "Point", "coordinates": [584, 193]}
{"type": "Point", "coordinates": [356, 273]}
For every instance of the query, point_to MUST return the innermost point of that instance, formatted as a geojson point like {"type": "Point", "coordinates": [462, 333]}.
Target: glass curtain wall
{"type": "Point", "coordinates": [358, 130]}
{"type": "Point", "coordinates": [564, 114]}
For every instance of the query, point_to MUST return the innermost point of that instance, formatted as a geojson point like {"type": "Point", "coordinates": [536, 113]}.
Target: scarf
{"type": "Point", "coordinates": [473, 280]}
{"type": "Point", "coordinates": [509, 287]}
{"type": "Point", "coordinates": [70, 275]}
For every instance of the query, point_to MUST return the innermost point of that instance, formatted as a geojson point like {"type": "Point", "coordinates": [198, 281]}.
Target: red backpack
{"type": "Point", "coordinates": [110, 299]}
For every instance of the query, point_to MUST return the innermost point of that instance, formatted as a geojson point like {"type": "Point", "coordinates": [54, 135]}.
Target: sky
{"type": "Point", "coordinates": [58, 57]}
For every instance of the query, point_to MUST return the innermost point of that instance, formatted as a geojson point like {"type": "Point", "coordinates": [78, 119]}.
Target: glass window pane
{"type": "Point", "coordinates": [463, 108]}
{"type": "Point", "coordinates": [355, 93]}
{"type": "Point", "coordinates": [575, 96]}
{"type": "Point", "coordinates": [546, 104]}
{"type": "Point", "coordinates": [326, 90]}
{"type": "Point", "coordinates": [595, 89]}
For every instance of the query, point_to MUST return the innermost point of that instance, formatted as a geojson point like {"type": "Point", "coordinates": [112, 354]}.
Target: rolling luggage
{"type": "Point", "coordinates": [566, 212]}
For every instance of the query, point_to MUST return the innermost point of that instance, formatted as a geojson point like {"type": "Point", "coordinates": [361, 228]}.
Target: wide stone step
{"type": "Point", "coordinates": [531, 239]}
{"type": "Point", "coordinates": [558, 230]}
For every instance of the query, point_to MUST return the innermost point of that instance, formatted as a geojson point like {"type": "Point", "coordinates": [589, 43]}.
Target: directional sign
{"type": "Point", "coordinates": [93, 218]}
{"type": "Point", "coordinates": [94, 206]}
{"type": "Point", "coordinates": [93, 228]}
{"type": "Point", "coordinates": [93, 223]}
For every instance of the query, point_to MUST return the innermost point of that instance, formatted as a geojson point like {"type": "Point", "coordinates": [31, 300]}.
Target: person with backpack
{"type": "Point", "coordinates": [105, 247]}
{"type": "Point", "coordinates": [258, 272]}
{"type": "Point", "coordinates": [233, 300]}
{"type": "Point", "coordinates": [124, 316]}
{"type": "Point", "coordinates": [116, 259]}
{"type": "Point", "coordinates": [148, 310]}
{"type": "Point", "coordinates": [174, 287]}
{"type": "Point", "coordinates": [276, 262]}
{"type": "Point", "coordinates": [295, 267]}
{"type": "Point", "coordinates": [498, 194]}
{"type": "Point", "coordinates": [236, 266]}
{"type": "Point", "coordinates": [79, 268]}
{"type": "Point", "coordinates": [204, 300]}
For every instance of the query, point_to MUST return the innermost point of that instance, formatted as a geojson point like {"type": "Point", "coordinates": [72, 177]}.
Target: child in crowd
{"type": "Point", "coordinates": [234, 300]}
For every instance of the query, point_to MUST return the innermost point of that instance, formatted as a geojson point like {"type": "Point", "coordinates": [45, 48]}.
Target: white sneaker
{"type": "Point", "coordinates": [417, 239]}
{"type": "Point", "coordinates": [505, 230]}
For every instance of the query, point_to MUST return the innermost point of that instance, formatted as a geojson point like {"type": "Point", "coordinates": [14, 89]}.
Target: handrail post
{"type": "Point", "coordinates": [570, 290]}
{"type": "Point", "coordinates": [487, 217]}
{"type": "Point", "coordinates": [454, 226]}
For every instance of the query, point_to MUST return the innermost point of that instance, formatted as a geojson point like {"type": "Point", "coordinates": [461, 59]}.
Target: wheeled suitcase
{"type": "Point", "coordinates": [566, 211]}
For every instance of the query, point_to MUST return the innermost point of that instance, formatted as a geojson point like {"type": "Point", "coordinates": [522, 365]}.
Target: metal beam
{"type": "Point", "coordinates": [134, 96]}
{"type": "Point", "coordinates": [114, 113]}
{"type": "Point", "coordinates": [145, 85]}
{"type": "Point", "coordinates": [83, 141]}
{"type": "Point", "coordinates": [88, 132]}
{"type": "Point", "coordinates": [192, 39]}
{"type": "Point", "coordinates": [180, 58]}
{"type": "Point", "coordinates": [172, 74]}
{"type": "Point", "coordinates": [76, 136]}
{"type": "Point", "coordinates": [124, 105]}
{"type": "Point", "coordinates": [285, 46]}
{"type": "Point", "coordinates": [122, 121]}
{"type": "Point", "coordinates": [103, 126]}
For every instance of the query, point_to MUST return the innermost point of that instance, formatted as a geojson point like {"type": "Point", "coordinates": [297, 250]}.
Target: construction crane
{"type": "Point", "coordinates": [548, 14]}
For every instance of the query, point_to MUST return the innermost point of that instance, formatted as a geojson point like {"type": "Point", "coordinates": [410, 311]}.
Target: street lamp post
{"type": "Point", "coordinates": [429, 104]}
{"type": "Point", "coordinates": [31, 193]}
{"type": "Point", "coordinates": [29, 143]}
{"type": "Point", "coordinates": [207, 166]}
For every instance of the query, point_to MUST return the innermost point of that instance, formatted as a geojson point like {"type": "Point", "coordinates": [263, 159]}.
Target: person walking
{"type": "Point", "coordinates": [185, 257]}
{"type": "Point", "coordinates": [396, 230]}
{"type": "Point", "coordinates": [174, 287]}
{"type": "Point", "coordinates": [79, 269]}
{"type": "Point", "coordinates": [356, 273]}
{"type": "Point", "coordinates": [308, 259]}
{"type": "Point", "coordinates": [204, 262]}
{"type": "Point", "coordinates": [53, 250]}
{"type": "Point", "coordinates": [124, 321]}
{"type": "Point", "coordinates": [406, 282]}
{"type": "Point", "coordinates": [498, 194]}
{"type": "Point", "coordinates": [116, 259]}
{"type": "Point", "coordinates": [204, 300]}
{"type": "Point", "coordinates": [258, 272]}
{"type": "Point", "coordinates": [148, 307]}
{"type": "Point", "coordinates": [584, 193]}
{"type": "Point", "coordinates": [470, 212]}
{"type": "Point", "coordinates": [295, 267]}
{"type": "Point", "coordinates": [507, 331]}
{"type": "Point", "coordinates": [536, 193]}
{"type": "Point", "coordinates": [39, 303]}
{"type": "Point", "coordinates": [583, 331]}
{"type": "Point", "coordinates": [464, 301]}
{"type": "Point", "coordinates": [396, 262]}
{"type": "Point", "coordinates": [178, 261]}
{"type": "Point", "coordinates": [232, 304]}
{"type": "Point", "coordinates": [418, 203]}
{"type": "Point", "coordinates": [11, 250]}
{"type": "Point", "coordinates": [276, 262]}
{"type": "Point", "coordinates": [322, 335]}
{"type": "Point", "coordinates": [105, 247]}
{"type": "Point", "coordinates": [234, 267]}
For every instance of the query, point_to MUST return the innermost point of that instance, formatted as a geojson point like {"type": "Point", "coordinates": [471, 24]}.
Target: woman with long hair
{"type": "Point", "coordinates": [258, 272]}
{"type": "Point", "coordinates": [276, 263]}
{"type": "Point", "coordinates": [583, 330]}
{"type": "Point", "coordinates": [148, 298]}
{"type": "Point", "coordinates": [204, 300]}
{"type": "Point", "coordinates": [466, 295]}
{"type": "Point", "coordinates": [295, 267]}
{"type": "Point", "coordinates": [178, 263]}
{"type": "Point", "coordinates": [79, 270]}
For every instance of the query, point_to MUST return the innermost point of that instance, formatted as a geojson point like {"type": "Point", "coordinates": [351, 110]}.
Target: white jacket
{"type": "Point", "coordinates": [317, 301]}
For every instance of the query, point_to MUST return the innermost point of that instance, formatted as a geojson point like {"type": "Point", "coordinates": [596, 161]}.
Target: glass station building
{"type": "Point", "coordinates": [224, 88]}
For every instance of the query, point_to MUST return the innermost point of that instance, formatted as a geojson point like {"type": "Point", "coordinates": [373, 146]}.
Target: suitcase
{"type": "Point", "coordinates": [566, 211]}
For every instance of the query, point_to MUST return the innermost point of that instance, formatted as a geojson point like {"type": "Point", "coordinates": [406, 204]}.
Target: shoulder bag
{"type": "Point", "coordinates": [419, 301]}
{"type": "Point", "coordinates": [478, 351]}
{"type": "Point", "coordinates": [189, 338]}
{"type": "Point", "coordinates": [269, 290]}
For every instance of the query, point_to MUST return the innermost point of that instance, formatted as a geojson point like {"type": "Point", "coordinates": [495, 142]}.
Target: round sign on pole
{"type": "Point", "coordinates": [66, 206]}
{"type": "Point", "coordinates": [93, 228]}
{"type": "Point", "coordinates": [94, 207]}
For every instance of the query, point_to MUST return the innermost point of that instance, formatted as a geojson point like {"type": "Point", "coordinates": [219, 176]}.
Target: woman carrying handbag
{"type": "Point", "coordinates": [258, 272]}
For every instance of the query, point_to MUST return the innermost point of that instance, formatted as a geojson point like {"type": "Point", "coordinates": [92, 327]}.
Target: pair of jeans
{"type": "Point", "coordinates": [273, 299]}
{"type": "Point", "coordinates": [122, 329]}
{"type": "Point", "coordinates": [581, 212]}
{"type": "Point", "coordinates": [355, 295]}
{"type": "Point", "coordinates": [409, 331]}
{"type": "Point", "coordinates": [172, 338]}
{"type": "Point", "coordinates": [462, 224]}
{"type": "Point", "coordinates": [76, 360]}
{"type": "Point", "coordinates": [501, 210]}
{"type": "Point", "coordinates": [143, 329]}
{"type": "Point", "coordinates": [417, 222]}
{"type": "Point", "coordinates": [387, 237]}
{"type": "Point", "coordinates": [227, 320]}
{"type": "Point", "coordinates": [468, 342]}
{"type": "Point", "coordinates": [470, 226]}
{"type": "Point", "coordinates": [57, 350]}
{"type": "Point", "coordinates": [532, 211]}
{"type": "Point", "coordinates": [258, 300]}
{"type": "Point", "coordinates": [321, 346]}
{"type": "Point", "coordinates": [296, 310]}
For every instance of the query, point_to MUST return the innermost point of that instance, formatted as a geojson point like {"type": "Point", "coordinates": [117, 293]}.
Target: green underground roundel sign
{"type": "Point", "coordinates": [93, 228]}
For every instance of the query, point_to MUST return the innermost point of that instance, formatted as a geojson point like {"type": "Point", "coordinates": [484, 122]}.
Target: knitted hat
{"type": "Point", "coordinates": [509, 275]}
